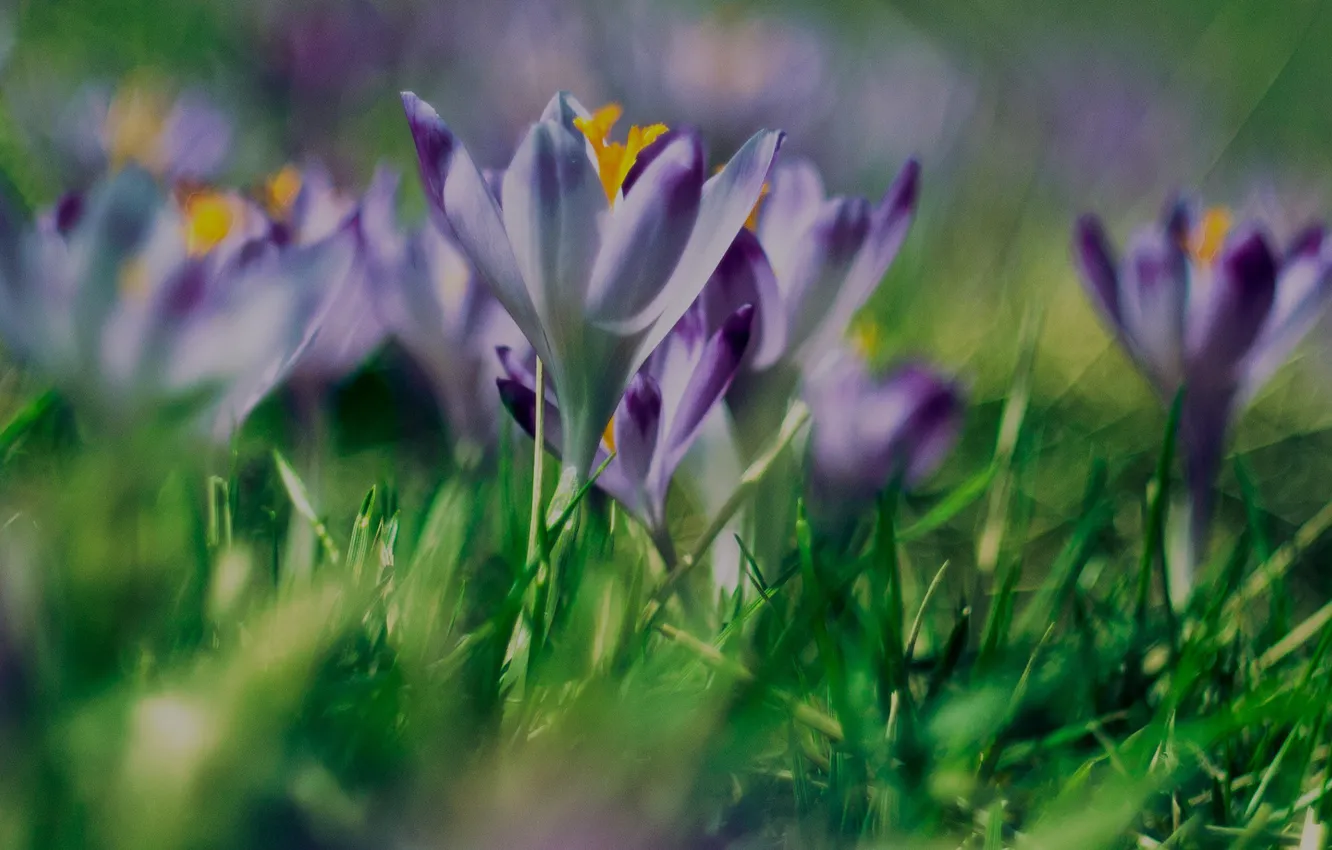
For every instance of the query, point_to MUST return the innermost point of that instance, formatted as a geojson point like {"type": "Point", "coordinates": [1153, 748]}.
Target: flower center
{"type": "Point", "coordinates": [133, 128]}
{"type": "Point", "coordinates": [609, 434]}
{"type": "Point", "coordinates": [280, 191]}
{"type": "Point", "coordinates": [614, 159]}
{"type": "Point", "coordinates": [1209, 235]}
{"type": "Point", "coordinates": [209, 217]}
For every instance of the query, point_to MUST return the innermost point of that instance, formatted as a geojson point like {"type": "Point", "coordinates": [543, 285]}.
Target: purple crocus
{"type": "Point", "coordinates": [869, 433]}
{"type": "Point", "coordinates": [306, 209]}
{"type": "Point", "coordinates": [446, 318]}
{"type": "Point", "coordinates": [1210, 308]}
{"type": "Point", "coordinates": [808, 265]}
{"type": "Point", "coordinates": [137, 303]}
{"type": "Point", "coordinates": [658, 418]}
{"type": "Point", "coordinates": [595, 248]}
{"type": "Point", "coordinates": [182, 139]}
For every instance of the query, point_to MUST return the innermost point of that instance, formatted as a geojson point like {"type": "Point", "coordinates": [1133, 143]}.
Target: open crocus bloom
{"type": "Point", "coordinates": [658, 418]}
{"type": "Point", "coordinates": [595, 248]}
{"type": "Point", "coordinates": [869, 433]}
{"type": "Point", "coordinates": [136, 302]}
{"type": "Point", "coordinates": [808, 265]}
{"type": "Point", "coordinates": [1209, 307]}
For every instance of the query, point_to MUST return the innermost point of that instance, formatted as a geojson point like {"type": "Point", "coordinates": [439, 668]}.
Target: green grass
{"type": "Point", "coordinates": [222, 653]}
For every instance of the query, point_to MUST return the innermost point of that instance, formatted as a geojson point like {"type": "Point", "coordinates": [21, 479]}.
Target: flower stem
{"type": "Point", "coordinates": [796, 417]}
{"type": "Point", "coordinates": [536, 529]}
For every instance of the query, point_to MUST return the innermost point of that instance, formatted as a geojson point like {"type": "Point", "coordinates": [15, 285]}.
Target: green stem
{"type": "Point", "coordinates": [535, 528]}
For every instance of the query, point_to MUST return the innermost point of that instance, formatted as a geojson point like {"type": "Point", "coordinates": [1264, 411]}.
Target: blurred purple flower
{"type": "Point", "coordinates": [331, 48]}
{"type": "Point", "coordinates": [659, 416]}
{"type": "Point", "coordinates": [870, 433]}
{"type": "Point", "coordinates": [306, 209]}
{"type": "Point", "coordinates": [595, 248]}
{"type": "Point", "coordinates": [186, 139]}
{"type": "Point", "coordinates": [1210, 308]}
{"type": "Point", "coordinates": [447, 319]}
{"type": "Point", "coordinates": [137, 303]}
{"type": "Point", "coordinates": [811, 262]}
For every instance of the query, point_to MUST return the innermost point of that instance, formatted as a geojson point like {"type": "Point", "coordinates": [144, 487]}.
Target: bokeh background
{"type": "Point", "coordinates": [1024, 113]}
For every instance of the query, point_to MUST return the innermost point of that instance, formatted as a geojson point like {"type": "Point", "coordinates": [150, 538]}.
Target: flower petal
{"type": "Point", "coordinates": [1096, 262]}
{"type": "Point", "coordinates": [711, 377]}
{"type": "Point", "coordinates": [552, 202]}
{"type": "Point", "coordinates": [647, 232]}
{"type": "Point", "coordinates": [196, 139]}
{"type": "Point", "coordinates": [1237, 308]}
{"type": "Point", "coordinates": [1302, 292]}
{"type": "Point", "coordinates": [744, 276]}
{"type": "Point", "coordinates": [727, 200]}
{"type": "Point", "coordinates": [819, 267]}
{"type": "Point", "coordinates": [888, 226]}
{"type": "Point", "coordinates": [1153, 303]}
{"type": "Point", "coordinates": [794, 198]}
{"type": "Point", "coordinates": [457, 189]}
{"type": "Point", "coordinates": [637, 427]}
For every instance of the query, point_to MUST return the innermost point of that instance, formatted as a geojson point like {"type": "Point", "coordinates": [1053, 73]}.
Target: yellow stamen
{"type": "Point", "coordinates": [609, 434]}
{"type": "Point", "coordinates": [615, 159]}
{"type": "Point", "coordinates": [1209, 235]}
{"type": "Point", "coordinates": [133, 128]}
{"type": "Point", "coordinates": [208, 219]}
{"type": "Point", "coordinates": [280, 191]}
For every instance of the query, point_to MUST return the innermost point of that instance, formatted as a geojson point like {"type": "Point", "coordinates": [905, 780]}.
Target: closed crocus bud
{"type": "Point", "coordinates": [1208, 307]}
{"type": "Point", "coordinates": [595, 247]}
{"type": "Point", "coordinates": [869, 433]}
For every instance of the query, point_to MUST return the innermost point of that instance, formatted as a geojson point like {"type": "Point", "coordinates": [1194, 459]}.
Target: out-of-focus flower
{"type": "Point", "coordinates": [659, 416]}
{"type": "Point", "coordinates": [185, 139]}
{"type": "Point", "coordinates": [329, 49]}
{"type": "Point", "coordinates": [722, 71]}
{"type": "Point", "coordinates": [596, 248]}
{"type": "Point", "coordinates": [869, 433]}
{"type": "Point", "coordinates": [451, 324]}
{"type": "Point", "coordinates": [135, 302]}
{"type": "Point", "coordinates": [811, 262]}
{"type": "Point", "coordinates": [1209, 307]}
{"type": "Point", "coordinates": [306, 209]}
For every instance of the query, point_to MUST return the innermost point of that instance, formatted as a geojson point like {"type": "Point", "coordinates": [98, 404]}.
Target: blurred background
{"type": "Point", "coordinates": [1024, 114]}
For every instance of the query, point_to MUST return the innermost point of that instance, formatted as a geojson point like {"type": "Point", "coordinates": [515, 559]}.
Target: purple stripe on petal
{"type": "Point", "coordinates": [650, 153]}
{"type": "Point", "coordinates": [434, 144]}
{"type": "Point", "coordinates": [455, 187]}
{"type": "Point", "coordinates": [520, 400]}
{"type": "Point", "coordinates": [712, 376]}
{"type": "Point", "coordinates": [1239, 305]}
{"type": "Point", "coordinates": [1096, 262]}
{"type": "Point", "coordinates": [744, 276]}
{"type": "Point", "coordinates": [637, 427]}
{"type": "Point", "coordinates": [818, 270]}
{"type": "Point", "coordinates": [727, 201]}
{"type": "Point", "coordinates": [647, 232]}
{"type": "Point", "coordinates": [552, 202]}
{"type": "Point", "coordinates": [68, 211]}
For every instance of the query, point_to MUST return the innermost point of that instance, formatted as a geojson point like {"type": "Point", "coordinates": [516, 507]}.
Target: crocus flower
{"type": "Point", "coordinates": [1210, 308]}
{"type": "Point", "coordinates": [306, 209]}
{"type": "Point", "coordinates": [869, 433]}
{"type": "Point", "coordinates": [808, 265]}
{"type": "Point", "coordinates": [182, 139]}
{"type": "Point", "coordinates": [596, 248]}
{"type": "Point", "coordinates": [449, 322]}
{"type": "Point", "coordinates": [658, 418]}
{"type": "Point", "coordinates": [137, 303]}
